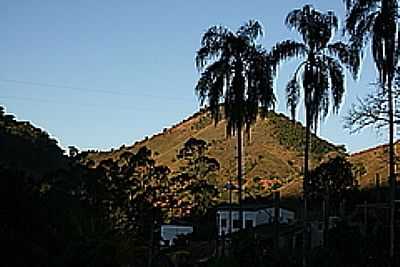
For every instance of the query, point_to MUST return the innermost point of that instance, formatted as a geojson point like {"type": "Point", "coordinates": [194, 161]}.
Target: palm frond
{"type": "Point", "coordinates": [358, 11]}
{"type": "Point", "coordinates": [318, 105]}
{"type": "Point", "coordinates": [337, 82]}
{"type": "Point", "coordinates": [292, 96]}
{"type": "Point", "coordinates": [260, 92]}
{"type": "Point", "coordinates": [212, 45]}
{"type": "Point", "coordinates": [362, 32]}
{"type": "Point", "coordinates": [315, 27]}
{"type": "Point", "coordinates": [235, 101]}
{"type": "Point", "coordinates": [378, 49]}
{"type": "Point", "coordinates": [250, 31]}
{"type": "Point", "coordinates": [211, 87]}
{"type": "Point", "coordinates": [348, 55]}
{"type": "Point", "coordinates": [285, 50]}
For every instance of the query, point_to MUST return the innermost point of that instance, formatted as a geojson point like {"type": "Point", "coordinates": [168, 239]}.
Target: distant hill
{"type": "Point", "coordinates": [373, 161]}
{"type": "Point", "coordinates": [28, 148]}
{"type": "Point", "coordinates": [274, 152]}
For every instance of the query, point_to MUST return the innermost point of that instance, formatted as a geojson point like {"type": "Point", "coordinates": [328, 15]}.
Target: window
{"type": "Point", "coordinates": [248, 224]}
{"type": "Point", "coordinates": [223, 223]}
{"type": "Point", "coordinates": [236, 224]}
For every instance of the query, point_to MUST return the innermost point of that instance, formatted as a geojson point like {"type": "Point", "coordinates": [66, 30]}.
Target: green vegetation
{"type": "Point", "coordinates": [203, 122]}
{"type": "Point", "coordinates": [291, 135]}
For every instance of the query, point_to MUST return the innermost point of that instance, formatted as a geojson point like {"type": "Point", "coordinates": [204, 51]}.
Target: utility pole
{"type": "Point", "coordinates": [277, 196]}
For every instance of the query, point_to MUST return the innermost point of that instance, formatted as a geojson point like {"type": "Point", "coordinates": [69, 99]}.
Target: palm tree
{"type": "Point", "coordinates": [377, 20]}
{"type": "Point", "coordinates": [320, 74]}
{"type": "Point", "coordinates": [235, 72]}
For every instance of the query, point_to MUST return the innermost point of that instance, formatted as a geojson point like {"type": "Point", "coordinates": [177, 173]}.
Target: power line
{"type": "Point", "coordinates": [90, 106]}
{"type": "Point", "coordinates": [91, 90]}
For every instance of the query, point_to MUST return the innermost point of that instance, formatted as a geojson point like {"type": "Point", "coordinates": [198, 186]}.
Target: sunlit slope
{"type": "Point", "coordinates": [274, 150]}
{"type": "Point", "coordinates": [372, 162]}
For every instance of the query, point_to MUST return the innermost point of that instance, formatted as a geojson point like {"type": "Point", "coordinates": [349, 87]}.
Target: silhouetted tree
{"type": "Point", "coordinates": [373, 110]}
{"type": "Point", "coordinates": [73, 151]}
{"type": "Point", "coordinates": [196, 192]}
{"type": "Point", "coordinates": [320, 75]}
{"type": "Point", "coordinates": [332, 180]}
{"type": "Point", "coordinates": [235, 70]}
{"type": "Point", "coordinates": [378, 21]}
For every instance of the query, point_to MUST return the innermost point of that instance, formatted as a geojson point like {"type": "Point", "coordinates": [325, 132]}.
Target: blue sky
{"type": "Point", "coordinates": [99, 74]}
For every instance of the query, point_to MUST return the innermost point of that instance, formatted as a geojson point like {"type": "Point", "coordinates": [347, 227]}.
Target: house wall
{"type": "Point", "coordinates": [286, 216]}
{"type": "Point", "coordinates": [170, 232]}
{"type": "Point", "coordinates": [259, 217]}
{"type": "Point", "coordinates": [223, 215]}
{"type": "Point", "coordinates": [265, 216]}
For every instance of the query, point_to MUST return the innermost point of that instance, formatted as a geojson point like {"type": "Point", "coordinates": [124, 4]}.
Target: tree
{"type": "Point", "coordinates": [332, 180]}
{"type": "Point", "coordinates": [378, 21]}
{"type": "Point", "coordinates": [135, 189]}
{"type": "Point", "coordinates": [73, 151]}
{"type": "Point", "coordinates": [373, 110]}
{"type": "Point", "coordinates": [236, 71]}
{"type": "Point", "coordinates": [193, 180]}
{"type": "Point", "coordinates": [320, 74]}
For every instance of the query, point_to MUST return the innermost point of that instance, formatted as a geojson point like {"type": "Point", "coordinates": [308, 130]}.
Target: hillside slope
{"type": "Point", "coordinates": [27, 148]}
{"type": "Point", "coordinates": [373, 162]}
{"type": "Point", "coordinates": [275, 150]}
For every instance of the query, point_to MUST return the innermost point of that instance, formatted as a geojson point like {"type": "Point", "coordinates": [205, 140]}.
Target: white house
{"type": "Point", "coordinates": [170, 232]}
{"type": "Point", "coordinates": [253, 215]}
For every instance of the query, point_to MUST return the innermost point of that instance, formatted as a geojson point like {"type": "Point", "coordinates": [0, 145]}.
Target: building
{"type": "Point", "coordinates": [170, 232]}
{"type": "Point", "coordinates": [253, 215]}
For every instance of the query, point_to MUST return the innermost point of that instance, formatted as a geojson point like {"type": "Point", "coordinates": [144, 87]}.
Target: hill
{"type": "Point", "coordinates": [372, 162]}
{"type": "Point", "coordinates": [273, 152]}
{"type": "Point", "coordinates": [28, 148]}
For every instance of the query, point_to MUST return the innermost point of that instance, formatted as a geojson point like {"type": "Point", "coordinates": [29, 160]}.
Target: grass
{"type": "Point", "coordinates": [273, 150]}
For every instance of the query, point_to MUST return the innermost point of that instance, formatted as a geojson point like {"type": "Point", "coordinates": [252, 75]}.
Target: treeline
{"type": "Point", "coordinates": [86, 215]}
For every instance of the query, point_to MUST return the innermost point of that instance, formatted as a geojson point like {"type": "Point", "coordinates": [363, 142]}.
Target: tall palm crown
{"type": "Point", "coordinates": [320, 74]}
{"type": "Point", "coordinates": [235, 72]}
{"type": "Point", "coordinates": [375, 20]}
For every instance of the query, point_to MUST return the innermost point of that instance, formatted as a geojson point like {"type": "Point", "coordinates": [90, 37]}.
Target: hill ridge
{"type": "Point", "coordinates": [274, 153]}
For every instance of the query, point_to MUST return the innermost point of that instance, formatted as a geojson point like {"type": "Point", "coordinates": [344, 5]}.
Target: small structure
{"type": "Point", "coordinates": [170, 232]}
{"type": "Point", "coordinates": [253, 215]}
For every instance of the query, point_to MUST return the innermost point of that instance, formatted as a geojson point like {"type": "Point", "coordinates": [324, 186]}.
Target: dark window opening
{"type": "Point", "coordinates": [248, 224]}
{"type": "Point", "coordinates": [223, 223]}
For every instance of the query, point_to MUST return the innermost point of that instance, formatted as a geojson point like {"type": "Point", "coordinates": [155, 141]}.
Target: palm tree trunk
{"type": "Point", "coordinates": [230, 206]}
{"type": "Point", "coordinates": [151, 239]}
{"type": "Point", "coordinates": [305, 186]}
{"type": "Point", "coordinates": [276, 196]}
{"type": "Point", "coordinates": [392, 175]}
{"type": "Point", "coordinates": [239, 160]}
{"type": "Point", "coordinates": [326, 219]}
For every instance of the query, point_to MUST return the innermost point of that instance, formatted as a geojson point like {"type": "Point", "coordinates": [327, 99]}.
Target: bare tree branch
{"type": "Point", "coordinates": [372, 110]}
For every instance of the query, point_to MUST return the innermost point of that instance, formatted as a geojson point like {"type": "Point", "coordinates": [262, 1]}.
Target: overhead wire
{"type": "Point", "coordinates": [92, 90]}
